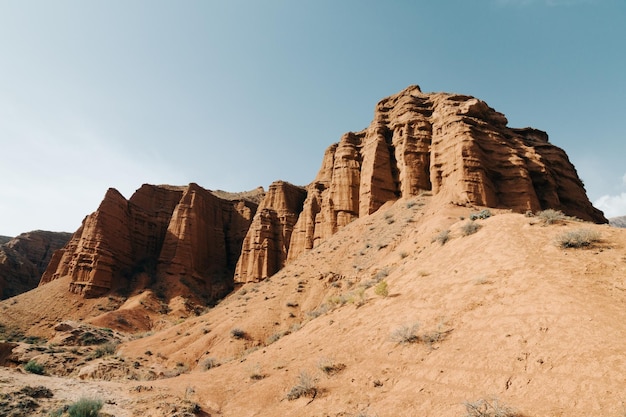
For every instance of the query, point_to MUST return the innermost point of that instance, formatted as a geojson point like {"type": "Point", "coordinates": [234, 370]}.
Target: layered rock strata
{"type": "Point", "coordinates": [448, 144]}
{"type": "Point", "coordinates": [453, 146]}
{"type": "Point", "coordinates": [159, 233]}
{"type": "Point", "coordinates": [24, 258]}
{"type": "Point", "coordinates": [266, 245]}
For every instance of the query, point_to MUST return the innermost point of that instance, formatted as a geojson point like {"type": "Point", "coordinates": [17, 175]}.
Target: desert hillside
{"type": "Point", "coordinates": [504, 312]}
{"type": "Point", "coordinates": [441, 263]}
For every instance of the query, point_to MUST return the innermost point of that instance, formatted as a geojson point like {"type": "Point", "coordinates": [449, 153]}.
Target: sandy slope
{"type": "Point", "coordinates": [539, 327]}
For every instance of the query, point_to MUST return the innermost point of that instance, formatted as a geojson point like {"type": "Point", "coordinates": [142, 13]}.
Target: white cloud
{"type": "Point", "coordinates": [612, 205]}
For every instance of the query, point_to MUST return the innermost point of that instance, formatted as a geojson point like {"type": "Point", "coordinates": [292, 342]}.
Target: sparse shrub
{"type": "Point", "coordinates": [406, 334]}
{"type": "Point", "coordinates": [491, 408]}
{"type": "Point", "coordinates": [442, 237]}
{"type": "Point", "coordinates": [210, 363]}
{"type": "Point", "coordinates": [382, 289]}
{"type": "Point", "coordinates": [383, 273]}
{"type": "Point", "coordinates": [322, 309]}
{"type": "Point", "coordinates": [470, 228]}
{"type": "Point", "coordinates": [257, 373]}
{"type": "Point", "coordinates": [305, 387]}
{"type": "Point", "coordinates": [357, 297]}
{"type": "Point", "coordinates": [578, 238]}
{"type": "Point", "coordinates": [34, 368]}
{"type": "Point", "coordinates": [238, 333]}
{"type": "Point", "coordinates": [330, 367]}
{"type": "Point", "coordinates": [275, 337]}
{"type": "Point", "coordinates": [106, 349]}
{"type": "Point", "coordinates": [403, 254]}
{"type": "Point", "coordinates": [483, 214]}
{"type": "Point", "coordinates": [409, 334]}
{"type": "Point", "coordinates": [85, 407]}
{"type": "Point", "coordinates": [551, 216]}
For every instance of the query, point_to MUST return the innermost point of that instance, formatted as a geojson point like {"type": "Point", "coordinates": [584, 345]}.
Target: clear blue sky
{"type": "Point", "coordinates": [236, 94]}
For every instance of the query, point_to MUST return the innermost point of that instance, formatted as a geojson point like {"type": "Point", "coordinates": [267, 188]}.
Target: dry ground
{"type": "Point", "coordinates": [502, 313]}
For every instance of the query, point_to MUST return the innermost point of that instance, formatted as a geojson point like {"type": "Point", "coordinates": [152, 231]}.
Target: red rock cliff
{"type": "Point", "coordinates": [448, 144]}
{"type": "Point", "coordinates": [161, 232]}
{"type": "Point", "coordinates": [267, 242]}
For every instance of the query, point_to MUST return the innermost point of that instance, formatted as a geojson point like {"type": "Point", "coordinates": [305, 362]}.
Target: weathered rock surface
{"type": "Point", "coordinates": [450, 145]}
{"type": "Point", "coordinates": [24, 258]}
{"type": "Point", "coordinates": [169, 238]}
{"type": "Point", "coordinates": [266, 244]}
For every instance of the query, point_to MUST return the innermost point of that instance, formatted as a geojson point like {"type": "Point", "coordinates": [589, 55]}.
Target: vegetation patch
{"type": "Point", "coordinates": [382, 289]}
{"type": "Point", "coordinates": [578, 238]}
{"type": "Point", "coordinates": [483, 214]}
{"type": "Point", "coordinates": [85, 407]}
{"type": "Point", "coordinates": [304, 387]}
{"type": "Point", "coordinates": [489, 408]}
{"type": "Point", "coordinates": [406, 334]}
{"type": "Point", "coordinates": [210, 363]}
{"type": "Point", "coordinates": [237, 333]}
{"type": "Point", "coordinates": [410, 334]}
{"type": "Point", "coordinates": [330, 367]}
{"type": "Point", "coordinates": [470, 228]}
{"type": "Point", "coordinates": [34, 368]}
{"type": "Point", "coordinates": [442, 237]}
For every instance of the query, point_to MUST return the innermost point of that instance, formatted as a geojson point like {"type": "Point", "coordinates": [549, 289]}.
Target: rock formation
{"type": "Point", "coordinates": [447, 144]}
{"type": "Point", "coordinates": [159, 233]}
{"type": "Point", "coordinates": [24, 258]}
{"type": "Point", "coordinates": [453, 146]}
{"type": "Point", "coordinates": [266, 244]}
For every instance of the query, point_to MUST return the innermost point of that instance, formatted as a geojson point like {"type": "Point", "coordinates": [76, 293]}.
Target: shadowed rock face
{"type": "Point", "coordinates": [267, 242]}
{"type": "Point", "coordinates": [181, 239]}
{"type": "Point", "coordinates": [24, 258]}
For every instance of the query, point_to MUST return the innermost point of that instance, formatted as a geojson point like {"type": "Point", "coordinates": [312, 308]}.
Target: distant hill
{"type": "Point", "coordinates": [618, 221]}
{"type": "Point", "coordinates": [4, 239]}
{"type": "Point", "coordinates": [24, 258]}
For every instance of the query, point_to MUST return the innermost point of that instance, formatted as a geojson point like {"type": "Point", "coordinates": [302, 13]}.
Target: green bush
{"type": "Point", "coordinates": [382, 289]}
{"type": "Point", "coordinates": [85, 407]}
{"type": "Point", "coordinates": [34, 368]}
{"type": "Point", "coordinates": [483, 214]}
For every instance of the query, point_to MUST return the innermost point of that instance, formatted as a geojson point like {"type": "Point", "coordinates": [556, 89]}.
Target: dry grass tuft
{"type": "Point", "coordinates": [305, 387]}
{"type": "Point", "coordinates": [578, 238]}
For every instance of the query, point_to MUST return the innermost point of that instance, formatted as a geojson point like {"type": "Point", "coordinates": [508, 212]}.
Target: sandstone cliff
{"type": "Point", "coordinates": [450, 145]}
{"type": "Point", "coordinates": [161, 232]}
{"type": "Point", "coordinates": [24, 258]}
{"type": "Point", "coordinates": [266, 244]}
